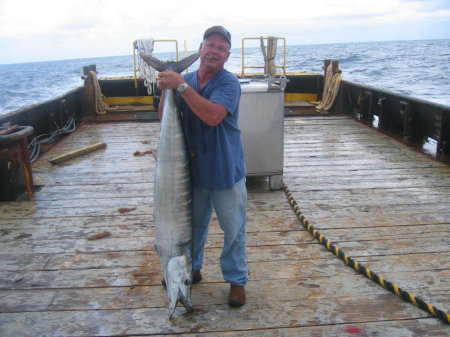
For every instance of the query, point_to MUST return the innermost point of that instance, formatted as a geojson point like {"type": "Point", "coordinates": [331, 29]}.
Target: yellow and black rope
{"type": "Point", "coordinates": [362, 269]}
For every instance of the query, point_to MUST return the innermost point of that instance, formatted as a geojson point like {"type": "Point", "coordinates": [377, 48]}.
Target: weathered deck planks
{"type": "Point", "coordinates": [381, 202]}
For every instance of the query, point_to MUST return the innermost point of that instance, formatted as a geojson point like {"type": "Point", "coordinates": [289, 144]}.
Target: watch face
{"type": "Point", "coordinates": [182, 87]}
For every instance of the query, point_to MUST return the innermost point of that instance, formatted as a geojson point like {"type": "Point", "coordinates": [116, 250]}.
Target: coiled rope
{"type": "Point", "coordinates": [330, 90]}
{"type": "Point", "coordinates": [362, 269]}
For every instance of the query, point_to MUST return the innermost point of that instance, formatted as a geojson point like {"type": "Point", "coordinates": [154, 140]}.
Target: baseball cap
{"type": "Point", "coordinates": [218, 30]}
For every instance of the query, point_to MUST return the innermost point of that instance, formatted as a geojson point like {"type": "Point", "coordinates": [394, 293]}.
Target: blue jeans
{"type": "Point", "coordinates": [231, 209]}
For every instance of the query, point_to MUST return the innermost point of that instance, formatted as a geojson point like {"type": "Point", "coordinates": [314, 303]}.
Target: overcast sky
{"type": "Point", "coordinates": [38, 30]}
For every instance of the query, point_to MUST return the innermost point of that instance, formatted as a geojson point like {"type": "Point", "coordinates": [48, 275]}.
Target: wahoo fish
{"type": "Point", "coordinates": [173, 195]}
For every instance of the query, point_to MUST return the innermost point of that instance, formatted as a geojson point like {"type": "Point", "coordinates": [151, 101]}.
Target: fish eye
{"type": "Point", "coordinates": [187, 282]}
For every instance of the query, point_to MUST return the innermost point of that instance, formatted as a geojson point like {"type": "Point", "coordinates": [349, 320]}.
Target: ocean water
{"type": "Point", "coordinates": [419, 69]}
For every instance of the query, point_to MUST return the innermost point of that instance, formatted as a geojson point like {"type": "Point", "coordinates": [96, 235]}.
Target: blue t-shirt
{"type": "Point", "coordinates": [217, 156]}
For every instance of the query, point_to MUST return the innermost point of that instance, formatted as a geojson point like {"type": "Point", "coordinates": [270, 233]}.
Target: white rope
{"type": "Point", "coordinates": [145, 71]}
{"type": "Point", "coordinates": [330, 90]}
{"type": "Point", "coordinates": [269, 54]}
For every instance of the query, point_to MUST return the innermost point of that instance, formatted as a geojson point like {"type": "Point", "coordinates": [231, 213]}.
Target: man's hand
{"type": "Point", "coordinates": [169, 80]}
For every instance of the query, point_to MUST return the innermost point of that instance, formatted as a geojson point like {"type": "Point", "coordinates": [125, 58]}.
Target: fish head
{"type": "Point", "coordinates": [178, 282]}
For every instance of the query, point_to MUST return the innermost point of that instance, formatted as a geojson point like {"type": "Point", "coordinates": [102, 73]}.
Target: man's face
{"type": "Point", "coordinates": [215, 51]}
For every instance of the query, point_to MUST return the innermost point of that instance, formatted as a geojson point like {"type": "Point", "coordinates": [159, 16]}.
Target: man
{"type": "Point", "coordinates": [210, 107]}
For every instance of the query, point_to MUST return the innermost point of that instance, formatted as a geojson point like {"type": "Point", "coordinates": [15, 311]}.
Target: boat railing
{"type": "Point", "coordinates": [244, 67]}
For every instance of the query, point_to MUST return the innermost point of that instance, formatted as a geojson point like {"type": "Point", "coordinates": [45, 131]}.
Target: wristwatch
{"type": "Point", "coordinates": [182, 87]}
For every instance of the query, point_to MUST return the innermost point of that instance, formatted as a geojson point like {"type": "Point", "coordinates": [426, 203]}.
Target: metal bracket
{"type": "Point", "coordinates": [405, 111]}
{"type": "Point", "coordinates": [278, 83]}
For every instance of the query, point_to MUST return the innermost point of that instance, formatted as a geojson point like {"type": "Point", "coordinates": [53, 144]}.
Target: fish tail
{"type": "Point", "coordinates": [177, 66]}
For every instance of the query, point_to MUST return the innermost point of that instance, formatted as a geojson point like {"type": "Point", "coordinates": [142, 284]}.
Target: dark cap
{"type": "Point", "coordinates": [218, 30]}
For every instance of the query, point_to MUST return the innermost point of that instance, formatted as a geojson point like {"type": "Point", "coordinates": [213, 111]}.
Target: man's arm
{"type": "Point", "coordinates": [209, 112]}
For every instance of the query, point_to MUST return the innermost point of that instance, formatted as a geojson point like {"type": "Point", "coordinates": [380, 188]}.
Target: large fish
{"type": "Point", "coordinates": [172, 197]}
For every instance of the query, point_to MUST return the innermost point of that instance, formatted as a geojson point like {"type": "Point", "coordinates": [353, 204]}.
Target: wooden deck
{"type": "Point", "coordinates": [381, 202]}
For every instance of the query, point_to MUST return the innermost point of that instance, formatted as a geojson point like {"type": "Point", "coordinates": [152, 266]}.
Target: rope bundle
{"type": "Point", "coordinates": [362, 269]}
{"type": "Point", "coordinates": [330, 90]}
{"type": "Point", "coordinates": [269, 54]}
{"type": "Point", "coordinates": [146, 72]}
{"type": "Point", "coordinates": [100, 106]}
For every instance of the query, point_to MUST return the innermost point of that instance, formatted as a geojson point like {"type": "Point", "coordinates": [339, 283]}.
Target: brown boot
{"type": "Point", "coordinates": [196, 277]}
{"type": "Point", "coordinates": [237, 295]}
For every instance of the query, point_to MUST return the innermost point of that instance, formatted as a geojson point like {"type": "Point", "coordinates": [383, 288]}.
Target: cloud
{"type": "Point", "coordinates": [51, 29]}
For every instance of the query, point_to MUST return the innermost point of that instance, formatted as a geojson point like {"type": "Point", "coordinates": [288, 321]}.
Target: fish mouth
{"type": "Point", "coordinates": [178, 282]}
{"type": "Point", "coordinates": [186, 301]}
{"type": "Point", "coordinates": [179, 293]}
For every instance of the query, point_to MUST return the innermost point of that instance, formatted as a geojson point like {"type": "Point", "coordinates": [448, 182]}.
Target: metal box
{"type": "Point", "coordinates": [261, 120]}
{"type": "Point", "coordinates": [16, 175]}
